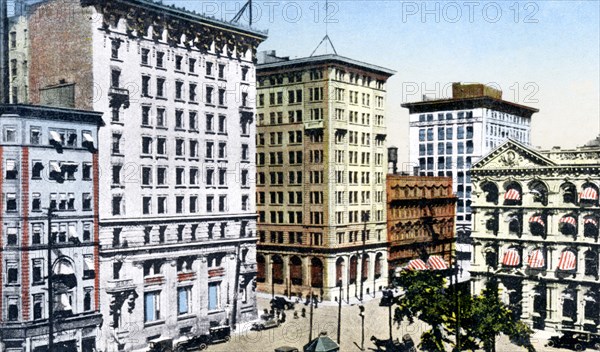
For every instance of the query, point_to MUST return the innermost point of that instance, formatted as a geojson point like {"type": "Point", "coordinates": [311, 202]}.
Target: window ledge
{"type": "Point", "coordinates": [153, 323]}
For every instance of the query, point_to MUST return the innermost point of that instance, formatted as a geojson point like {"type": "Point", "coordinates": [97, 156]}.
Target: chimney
{"type": "Point", "coordinates": [393, 158]}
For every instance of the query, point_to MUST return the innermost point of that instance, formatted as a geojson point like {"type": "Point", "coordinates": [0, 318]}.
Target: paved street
{"type": "Point", "coordinates": [294, 332]}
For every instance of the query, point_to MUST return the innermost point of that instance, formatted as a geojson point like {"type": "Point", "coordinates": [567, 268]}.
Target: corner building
{"type": "Point", "coordinates": [535, 231]}
{"type": "Point", "coordinates": [321, 165]}
{"type": "Point", "coordinates": [49, 160]}
{"type": "Point", "coordinates": [177, 211]}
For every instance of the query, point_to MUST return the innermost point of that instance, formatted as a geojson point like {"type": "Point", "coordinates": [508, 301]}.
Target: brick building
{"type": "Point", "coordinates": [420, 219]}
{"type": "Point", "coordinates": [176, 207]}
{"type": "Point", "coordinates": [321, 164]}
{"type": "Point", "coordinates": [49, 160]}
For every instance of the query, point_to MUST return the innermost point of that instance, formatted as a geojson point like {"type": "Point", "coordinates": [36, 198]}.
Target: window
{"type": "Point", "coordinates": [178, 90]}
{"type": "Point", "coordinates": [222, 150]}
{"type": "Point", "coordinates": [183, 300]}
{"type": "Point", "coordinates": [13, 308]}
{"type": "Point", "coordinates": [160, 87]}
{"type": "Point", "coordinates": [221, 71]}
{"type": "Point", "coordinates": [162, 205]}
{"type": "Point", "coordinates": [192, 92]}
{"type": "Point", "coordinates": [209, 68]}
{"type": "Point", "coordinates": [161, 120]}
{"type": "Point", "coordinates": [115, 78]}
{"type": "Point", "coordinates": [116, 205]}
{"type": "Point", "coordinates": [193, 121]}
{"type": "Point", "coordinates": [145, 55]}
{"type": "Point", "coordinates": [88, 267]}
{"type": "Point", "coordinates": [179, 147]}
{"type": "Point", "coordinates": [222, 124]}
{"type": "Point", "coordinates": [116, 174]}
{"type": "Point", "coordinates": [10, 134]}
{"type": "Point", "coordinates": [221, 96]}
{"type": "Point", "coordinates": [178, 60]}
{"type": "Point", "coordinates": [222, 177]}
{"type": "Point", "coordinates": [209, 203]}
{"type": "Point", "coordinates": [12, 273]}
{"type": "Point", "coordinates": [161, 145]}
{"type": "Point", "coordinates": [146, 205]}
{"type": "Point", "coordinates": [193, 149]}
{"type": "Point", "coordinates": [160, 59]}
{"type": "Point", "coordinates": [13, 40]}
{"type": "Point", "coordinates": [214, 289]}
{"type": "Point", "coordinates": [36, 202]}
{"type": "Point", "coordinates": [161, 176]}
{"type": "Point", "coordinates": [192, 65]}
{"type": "Point", "coordinates": [193, 176]}
{"type": "Point", "coordinates": [209, 95]}
{"type": "Point", "coordinates": [179, 200]}
{"type": "Point", "coordinates": [193, 204]}
{"type": "Point", "coordinates": [222, 203]}
{"type": "Point", "coordinates": [151, 306]}
{"type": "Point", "coordinates": [11, 202]}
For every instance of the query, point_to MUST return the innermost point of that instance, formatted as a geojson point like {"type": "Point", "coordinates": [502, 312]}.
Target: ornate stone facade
{"type": "Point", "coordinates": [535, 229]}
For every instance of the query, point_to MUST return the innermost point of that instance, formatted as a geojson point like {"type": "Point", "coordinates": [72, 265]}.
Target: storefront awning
{"type": "Point", "coordinates": [511, 257]}
{"type": "Point", "coordinates": [435, 262]}
{"type": "Point", "coordinates": [567, 261]}
{"type": "Point", "coordinates": [417, 264]}
{"type": "Point", "coordinates": [536, 259]}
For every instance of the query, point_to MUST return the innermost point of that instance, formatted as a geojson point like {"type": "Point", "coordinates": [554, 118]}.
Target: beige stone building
{"type": "Point", "coordinates": [535, 229]}
{"type": "Point", "coordinates": [321, 165]}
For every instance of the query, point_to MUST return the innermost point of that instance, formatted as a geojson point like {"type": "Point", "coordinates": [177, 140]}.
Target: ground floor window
{"type": "Point", "coordinates": [151, 306]}
{"type": "Point", "coordinates": [214, 289]}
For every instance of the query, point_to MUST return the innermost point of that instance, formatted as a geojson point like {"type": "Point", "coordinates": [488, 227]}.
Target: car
{"type": "Point", "coordinates": [269, 323]}
{"type": "Point", "coordinates": [164, 345]}
{"type": "Point", "coordinates": [566, 341]}
{"type": "Point", "coordinates": [281, 303]}
{"type": "Point", "coordinates": [215, 334]}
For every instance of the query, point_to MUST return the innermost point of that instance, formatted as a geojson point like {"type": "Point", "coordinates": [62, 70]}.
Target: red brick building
{"type": "Point", "coordinates": [420, 219]}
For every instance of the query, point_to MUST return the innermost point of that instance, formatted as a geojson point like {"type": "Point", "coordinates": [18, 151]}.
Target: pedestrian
{"type": "Point", "coordinates": [283, 316]}
{"type": "Point", "coordinates": [303, 312]}
{"type": "Point", "coordinates": [295, 314]}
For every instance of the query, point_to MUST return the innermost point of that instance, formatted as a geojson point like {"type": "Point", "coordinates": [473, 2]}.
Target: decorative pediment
{"type": "Point", "coordinates": [513, 155]}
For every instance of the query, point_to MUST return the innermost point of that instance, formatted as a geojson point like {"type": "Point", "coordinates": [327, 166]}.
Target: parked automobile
{"type": "Point", "coordinates": [281, 303]}
{"type": "Point", "coordinates": [198, 343]}
{"type": "Point", "coordinates": [566, 341]}
{"type": "Point", "coordinates": [264, 324]}
{"type": "Point", "coordinates": [165, 345]}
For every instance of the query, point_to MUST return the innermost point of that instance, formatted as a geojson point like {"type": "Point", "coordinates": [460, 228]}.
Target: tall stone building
{"type": "Point", "coordinates": [321, 165]}
{"type": "Point", "coordinates": [49, 160]}
{"type": "Point", "coordinates": [535, 230]}
{"type": "Point", "coordinates": [420, 221]}
{"type": "Point", "coordinates": [449, 135]}
{"type": "Point", "coordinates": [176, 207]}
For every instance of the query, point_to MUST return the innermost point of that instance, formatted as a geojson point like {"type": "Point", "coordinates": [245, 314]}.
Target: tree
{"type": "Point", "coordinates": [482, 317]}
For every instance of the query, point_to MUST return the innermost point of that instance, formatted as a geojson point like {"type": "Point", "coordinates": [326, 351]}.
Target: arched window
{"type": "Point", "coordinates": [491, 223]}
{"type": "Point", "coordinates": [296, 271]}
{"type": "Point", "coordinates": [260, 268]}
{"type": "Point", "coordinates": [339, 271]}
{"type": "Point", "coordinates": [539, 192]}
{"type": "Point", "coordinates": [353, 269]}
{"type": "Point", "coordinates": [378, 265]}
{"type": "Point", "coordinates": [569, 308]}
{"type": "Point", "coordinates": [568, 225]}
{"type": "Point", "coordinates": [591, 263]}
{"type": "Point", "coordinates": [491, 192]}
{"type": "Point", "coordinates": [63, 274]}
{"type": "Point", "coordinates": [590, 226]}
{"type": "Point", "coordinates": [491, 256]}
{"type": "Point", "coordinates": [592, 305]}
{"type": "Point", "coordinates": [316, 272]}
{"type": "Point", "coordinates": [366, 261]}
{"type": "Point", "coordinates": [511, 257]}
{"type": "Point", "coordinates": [537, 224]}
{"type": "Point", "coordinates": [569, 193]}
{"type": "Point", "coordinates": [277, 269]}
{"type": "Point", "coordinates": [513, 194]}
{"type": "Point", "coordinates": [567, 260]}
{"type": "Point", "coordinates": [514, 223]}
{"type": "Point", "coordinates": [589, 195]}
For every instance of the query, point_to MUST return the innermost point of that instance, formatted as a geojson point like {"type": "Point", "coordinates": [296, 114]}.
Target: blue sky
{"type": "Point", "coordinates": [544, 54]}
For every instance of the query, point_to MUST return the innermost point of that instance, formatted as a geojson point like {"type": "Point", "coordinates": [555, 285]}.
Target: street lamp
{"type": "Point", "coordinates": [313, 302]}
{"type": "Point", "coordinates": [361, 314]}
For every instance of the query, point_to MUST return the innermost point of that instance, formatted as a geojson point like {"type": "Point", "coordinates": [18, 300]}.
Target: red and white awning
{"type": "Point", "coordinates": [589, 193]}
{"type": "Point", "coordinates": [591, 221]}
{"type": "Point", "coordinates": [567, 261]}
{"type": "Point", "coordinates": [568, 220]}
{"type": "Point", "coordinates": [435, 262]}
{"type": "Point", "coordinates": [512, 194]}
{"type": "Point", "coordinates": [511, 257]}
{"type": "Point", "coordinates": [537, 219]}
{"type": "Point", "coordinates": [417, 264]}
{"type": "Point", "coordinates": [536, 259]}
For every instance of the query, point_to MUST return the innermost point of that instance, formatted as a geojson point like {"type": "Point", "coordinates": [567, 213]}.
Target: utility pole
{"type": "Point", "coordinates": [339, 324]}
{"type": "Point", "coordinates": [236, 288]}
{"type": "Point", "coordinates": [50, 284]}
{"type": "Point", "coordinates": [272, 278]}
{"type": "Point", "coordinates": [311, 300]}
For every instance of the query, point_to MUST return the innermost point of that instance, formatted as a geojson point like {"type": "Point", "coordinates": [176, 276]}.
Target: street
{"type": "Point", "coordinates": [294, 332]}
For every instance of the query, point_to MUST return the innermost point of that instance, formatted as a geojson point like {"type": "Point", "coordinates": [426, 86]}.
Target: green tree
{"type": "Point", "coordinates": [482, 318]}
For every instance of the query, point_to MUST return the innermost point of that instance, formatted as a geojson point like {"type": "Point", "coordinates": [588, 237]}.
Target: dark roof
{"type": "Point", "coordinates": [52, 113]}
{"type": "Point", "coordinates": [323, 59]}
{"type": "Point", "coordinates": [322, 343]}
{"type": "Point", "coordinates": [470, 103]}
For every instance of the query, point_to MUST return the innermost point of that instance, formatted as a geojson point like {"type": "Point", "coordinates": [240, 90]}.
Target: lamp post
{"type": "Point", "coordinates": [365, 219]}
{"type": "Point", "coordinates": [362, 320]}
{"type": "Point", "coordinates": [272, 277]}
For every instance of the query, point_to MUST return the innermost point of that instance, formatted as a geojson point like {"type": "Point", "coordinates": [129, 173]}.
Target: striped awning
{"type": "Point", "coordinates": [537, 219]}
{"type": "Point", "coordinates": [417, 264]}
{"type": "Point", "coordinates": [567, 261]}
{"type": "Point", "coordinates": [536, 259]}
{"type": "Point", "coordinates": [591, 221]}
{"type": "Point", "coordinates": [512, 194]}
{"type": "Point", "coordinates": [568, 220]}
{"type": "Point", "coordinates": [435, 262]}
{"type": "Point", "coordinates": [589, 193]}
{"type": "Point", "coordinates": [511, 257]}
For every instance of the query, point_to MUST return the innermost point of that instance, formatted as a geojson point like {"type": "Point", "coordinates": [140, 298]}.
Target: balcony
{"type": "Point", "coordinates": [114, 286]}
{"type": "Point", "coordinates": [118, 97]}
{"type": "Point", "coordinates": [313, 125]}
